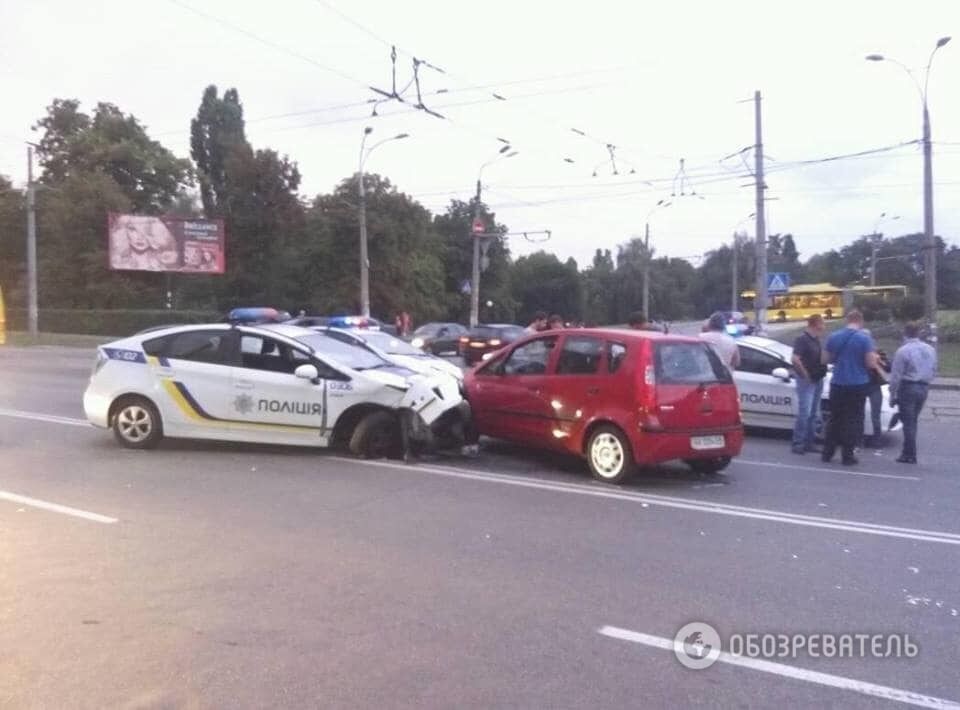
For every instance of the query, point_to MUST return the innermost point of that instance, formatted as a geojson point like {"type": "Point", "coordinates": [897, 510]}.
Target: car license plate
{"type": "Point", "coordinates": [701, 443]}
{"type": "Point", "coordinates": [478, 345]}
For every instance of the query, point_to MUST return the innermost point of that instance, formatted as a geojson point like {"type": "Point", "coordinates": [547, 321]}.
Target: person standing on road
{"type": "Point", "coordinates": [539, 322]}
{"type": "Point", "coordinates": [555, 322]}
{"type": "Point", "coordinates": [853, 355]}
{"type": "Point", "coordinates": [878, 378]}
{"type": "Point", "coordinates": [807, 351]}
{"type": "Point", "coordinates": [914, 367]}
{"type": "Point", "coordinates": [722, 343]}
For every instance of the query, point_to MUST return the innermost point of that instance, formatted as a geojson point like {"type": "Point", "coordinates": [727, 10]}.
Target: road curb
{"type": "Point", "coordinates": [945, 386]}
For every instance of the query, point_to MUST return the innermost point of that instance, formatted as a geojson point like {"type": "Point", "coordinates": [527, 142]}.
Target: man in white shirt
{"type": "Point", "coordinates": [722, 343]}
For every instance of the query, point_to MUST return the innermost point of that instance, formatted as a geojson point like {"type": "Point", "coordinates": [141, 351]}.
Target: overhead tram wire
{"type": "Point", "coordinates": [270, 43]}
{"type": "Point", "coordinates": [606, 144]}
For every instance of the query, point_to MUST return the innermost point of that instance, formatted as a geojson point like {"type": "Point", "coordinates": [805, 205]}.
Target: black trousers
{"type": "Point", "coordinates": [845, 428]}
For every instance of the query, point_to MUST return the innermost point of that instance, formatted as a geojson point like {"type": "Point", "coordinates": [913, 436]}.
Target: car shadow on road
{"type": "Point", "coordinates": [510, 459]}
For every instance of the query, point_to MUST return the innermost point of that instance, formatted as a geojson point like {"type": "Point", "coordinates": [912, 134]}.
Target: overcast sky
{"type": "Point", "coordinates": [661, 81]}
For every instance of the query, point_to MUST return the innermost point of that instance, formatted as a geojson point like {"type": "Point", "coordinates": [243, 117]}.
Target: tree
{"type": "Point", "coordinates": [113, 143]}
{"type": "Point", "coordinates": [217, 136]}
{"type": "Point", "coordinates": [541, 282]}
{"type": "Point", "coordinates": [92, 166]}
{"type": "Point", "coordinates": [599, 294]}
{"type": "Point", "coordinates": [405, 252]}
{"type": "Point", "coordinates": [12, 242]}
{"type": "Point", "coordinates": [454, 228]}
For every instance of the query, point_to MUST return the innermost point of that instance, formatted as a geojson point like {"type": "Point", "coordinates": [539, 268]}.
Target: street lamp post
{"type": "Point", "coordinates": [929, 243]}
{"type": "Point", "coordinates": [504, 153]}
{"type": "Point", "coordinates": [364, 259]}
{"type": "Point", "coordinates": [662, 204]}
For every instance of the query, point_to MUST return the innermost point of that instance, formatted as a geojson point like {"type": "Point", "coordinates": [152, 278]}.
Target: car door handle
{"type": "Point", "coordinates": [245, 384]}
{"type": "Point", "coordinates": [593, 390]}
{"type": "Point", "coordinates": [535, 390]}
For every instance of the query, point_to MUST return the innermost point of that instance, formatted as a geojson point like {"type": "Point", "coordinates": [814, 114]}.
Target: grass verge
{"type": "Point", "coordinates": [23, 339]}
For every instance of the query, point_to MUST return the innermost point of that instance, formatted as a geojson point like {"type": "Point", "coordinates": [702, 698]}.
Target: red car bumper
{"type": "Point", "coordinates": [653, 447]}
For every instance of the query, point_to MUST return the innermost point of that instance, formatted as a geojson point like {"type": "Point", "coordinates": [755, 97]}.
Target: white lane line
{"type": "Point", "coordinates": [834, 681]}
{"type": "Point", "coordinates": [824, 469]}
{"type": "Point", "coordinates": [36, 416]}
{"type": "Point", "coordinates": [601, 491]}
{"type": "Point", "coordinates": [56, 508]}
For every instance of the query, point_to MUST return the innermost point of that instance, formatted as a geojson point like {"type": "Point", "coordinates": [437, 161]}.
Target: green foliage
{"type": "Point", "coordinates": [541, 282]}
{"type": "Point", "coordinates": [106, 322]}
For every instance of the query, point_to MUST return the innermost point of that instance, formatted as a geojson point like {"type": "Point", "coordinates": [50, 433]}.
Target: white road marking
{"type": "Point", "coordinates": [600, 490]}
{"type": "Point", "coordinates": [834, 681]}
{"type": "Point", "coordinates": [824, 469]}
{"type": "Point", "coordinates": [36, 416]}
{"type": "Point", "coordinates": [56, 508]}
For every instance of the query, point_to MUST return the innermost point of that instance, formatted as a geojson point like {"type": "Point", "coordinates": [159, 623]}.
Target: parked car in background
{"type": "Point", "coordinates": [392, 348]}
{"type": "Point", "coordinates": [481, 342]}
{"type": "Point", "coordinates": [768, 393]}
{"type": "Point", "coordinates": [441, 339]}
{"type": "Point", "coordinates": [616, 398]}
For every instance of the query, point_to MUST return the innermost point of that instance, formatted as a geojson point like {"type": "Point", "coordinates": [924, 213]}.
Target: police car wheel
{"type": "Point", "coordinates": [376, 436]}
{"type": "Point", "coordinates": [709, 466]}
{"type": "Point", "coordinates": [609, 455]}
{"type": "Point", "coordinates": [136, 424]}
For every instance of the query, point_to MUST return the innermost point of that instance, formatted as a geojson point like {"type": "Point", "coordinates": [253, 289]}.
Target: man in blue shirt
{"type": "Point", "coordinates": [853, 355]}
{"type": "Point", "coordinates": [914, 367]}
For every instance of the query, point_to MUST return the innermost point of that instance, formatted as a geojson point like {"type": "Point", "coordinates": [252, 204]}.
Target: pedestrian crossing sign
{"type": "Point", "coordinates": [778, 282]}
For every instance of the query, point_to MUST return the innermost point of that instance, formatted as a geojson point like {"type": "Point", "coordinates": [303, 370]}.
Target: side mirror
{"type": "Point", "coordinates": [781, 373]}
{"type": "Point", "coordinates": [307, 372]}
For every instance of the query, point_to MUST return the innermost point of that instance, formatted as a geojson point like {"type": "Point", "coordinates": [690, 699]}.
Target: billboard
{"type": "Point", "coordinates": [141, 243]}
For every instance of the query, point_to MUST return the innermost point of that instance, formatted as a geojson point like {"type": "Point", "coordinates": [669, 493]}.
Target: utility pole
{"type": "Point", "coordinates": [32, 310]}
{"type": "Point", "coordinates": [734, 301]}
{"type": "Point", "coordinates": [646, 272]}
{"type": "Point", "coordinates": [761, 299]}
{"type": "Point", "coordinates": [874, 248]}
{"type": "Point", "coordinates": [929, 241]}
{"type": "Point", "coordinates": [475, 276]}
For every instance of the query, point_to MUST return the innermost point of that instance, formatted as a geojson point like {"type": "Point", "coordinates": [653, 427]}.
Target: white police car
{"type": "Point", "coordinates": [398, 351]}
{"type": "Point", "coordinates": [768, 399]}
{"type": "Point", "coordinates": [267, 385]}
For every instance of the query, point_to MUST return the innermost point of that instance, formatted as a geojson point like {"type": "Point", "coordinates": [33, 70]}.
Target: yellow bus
{"type": "Point", "coordinates": [803, 300]}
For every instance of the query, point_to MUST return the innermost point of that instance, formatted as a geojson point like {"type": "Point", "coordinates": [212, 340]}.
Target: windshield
{"type": "Point", "coordinates": [428, 329]}
{"type": "Point", "coordinates": [356, 356]}
{"type": "Point", "coordinates": [390, 344]}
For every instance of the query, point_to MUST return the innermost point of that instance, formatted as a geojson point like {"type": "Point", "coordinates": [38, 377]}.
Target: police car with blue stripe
{"type": "Point", "coordinates": [277, 385]}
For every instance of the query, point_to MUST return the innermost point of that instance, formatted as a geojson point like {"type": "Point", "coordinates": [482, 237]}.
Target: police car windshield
{"type": "Point", "coordinates": [391, 345]}
{"type": "Point", "coordinates": [354, 356]}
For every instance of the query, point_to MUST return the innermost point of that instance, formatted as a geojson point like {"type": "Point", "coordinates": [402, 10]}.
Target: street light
{"type": "Point", "coordinates": [929, 244]}
{"type": "Point", "coordinates": [364, 260]}
{"type": "Point", "coordinates": [661, 204]}
{"type": "Point", "coordinates": [505, 152]}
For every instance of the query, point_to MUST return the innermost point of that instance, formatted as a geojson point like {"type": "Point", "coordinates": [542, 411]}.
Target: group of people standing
{"type": "Point", "coordinates": [859, 371]}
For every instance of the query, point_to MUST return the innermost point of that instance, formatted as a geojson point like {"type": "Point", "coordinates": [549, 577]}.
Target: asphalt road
{"type": "Point", "coordinates": [206, 575]}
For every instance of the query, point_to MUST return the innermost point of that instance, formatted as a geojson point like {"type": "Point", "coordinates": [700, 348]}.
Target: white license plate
{"type": "Point", "coordinates": [701, 443]}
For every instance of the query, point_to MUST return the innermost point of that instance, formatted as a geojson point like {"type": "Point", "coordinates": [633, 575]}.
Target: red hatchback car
{"type": "Point", "coordinates": [617, 398]}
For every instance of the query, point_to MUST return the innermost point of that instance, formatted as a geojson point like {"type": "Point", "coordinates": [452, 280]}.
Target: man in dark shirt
{"type": "Point", "coordinates": [809, 380]}
{"type": "Point", "coordinates": [853, 355]}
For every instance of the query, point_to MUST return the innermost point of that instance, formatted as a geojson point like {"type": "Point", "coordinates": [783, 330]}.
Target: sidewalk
{"type": "Point", "coordinates": [946, 383]}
